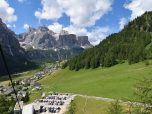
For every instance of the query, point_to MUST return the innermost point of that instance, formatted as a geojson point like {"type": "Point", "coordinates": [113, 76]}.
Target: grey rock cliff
{"type": "Point", "coordinates": [63, 32]}
{"type": "Point", "coordinates": [83, 41]}
{"type": "Point", "coordinates": [7, 37]}
{"type": "Point", "coordinates": [43, 38]}
{"type": "Point", "coordinates": [9, 42]}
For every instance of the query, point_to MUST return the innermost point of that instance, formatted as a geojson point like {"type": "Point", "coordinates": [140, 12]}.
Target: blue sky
{"type": "Point", "coordinates": [94, 18]}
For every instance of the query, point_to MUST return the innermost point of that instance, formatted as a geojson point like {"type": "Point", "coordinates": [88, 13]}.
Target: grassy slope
{"type": "Point", "coordinates": [93, 106]}
{"type": "Point", "coordinates": [34, 96]}
{"type": "Point", "coordinates": [117, 87]}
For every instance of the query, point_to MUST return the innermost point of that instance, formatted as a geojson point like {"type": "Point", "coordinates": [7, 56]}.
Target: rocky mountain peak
{"type": "Point", "coordinates": [43, 38]}
{"type": "Point", "coordinates": [31, 29]}
{"type": "Point", "coordinates": [43, 28]}
{"type": "Point", "coordinates": [63, 32]}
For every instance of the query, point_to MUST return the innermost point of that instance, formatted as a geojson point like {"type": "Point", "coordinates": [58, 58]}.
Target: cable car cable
{"type": "Point", "coordinates": [9, 74]}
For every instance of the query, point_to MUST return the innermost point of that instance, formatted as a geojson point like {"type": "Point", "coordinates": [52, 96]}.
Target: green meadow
{"type": "Point", "coordinates": [115, 82]}
{"type": "Point", "coordinates": [93, 106]}
{"type": "Point", "coordinates": [34, 96]}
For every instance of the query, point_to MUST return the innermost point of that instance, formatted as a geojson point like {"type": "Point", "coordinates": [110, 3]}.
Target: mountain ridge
{"type": "Point", "coordinates": [43, 38]}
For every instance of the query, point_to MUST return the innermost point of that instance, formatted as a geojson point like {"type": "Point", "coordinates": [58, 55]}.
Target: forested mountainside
{"type": "Point", "coordinates": [129, 44]}
{"type": "Point", "coordinates": [51, 55]}
{"type": "Point", "coordinates": [16, 64]}
{"type": "Point", "coordinates": [14, 54]}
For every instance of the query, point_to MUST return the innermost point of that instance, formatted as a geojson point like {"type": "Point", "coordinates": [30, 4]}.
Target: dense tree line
{"type": "Point", "coordinates": [129, 44]}
{"type": "Point", "coordinates": [5, 104]}
{"type": "Point", "coordinates": [16, 64]}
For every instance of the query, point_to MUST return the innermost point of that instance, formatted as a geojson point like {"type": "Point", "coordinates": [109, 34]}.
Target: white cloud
{"type": "Point", "coordinates": [8, 25]}
{"type": "Point", "coordinates": [14, 26]}
{"type": "Point", "coordinates": [81, 13]}
{"type": "Point", "coordinates": [21, 0]}
{"type": "Point", "coordinates": [6, 12]}
{"type": "Point", "coordinates": [122, 23]}
{"type": "Point", "coordinates": [51, 10]}
{"type": "Point", "coordinates": [138, 7]}
{"type": "Point", "coordinates": [26, 26]}
{"type": "Point", "coordinates": [97, 35]}
{"type": "Point", "coordinates": [76, 30]}
{"type": "Point", "coordinates": [94, 37]}
{"type": "Point", "coordinates": [56, 27]}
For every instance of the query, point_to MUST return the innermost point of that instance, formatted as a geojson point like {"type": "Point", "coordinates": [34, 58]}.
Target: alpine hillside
{"type": "Point", "coordinates": [133, 43]}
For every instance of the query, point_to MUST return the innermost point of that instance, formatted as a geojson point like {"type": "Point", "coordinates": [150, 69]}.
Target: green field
{"type": "Point", "coordinates": [118, 86]}
{"type": "Point", "coordinates": [93, 106]}
{"type": "Point", "coordinates": [34, 96]}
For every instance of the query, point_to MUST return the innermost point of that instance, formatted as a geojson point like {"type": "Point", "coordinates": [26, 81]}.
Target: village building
{"type": "Point", "coordinates": [37, 85]}
{"type": "Point", "coordinates": [21, 93]}
{"type": "Point", "coordinates": [16, 87]}
{"type": "Point", "coordinates": [24, 88]}
{"type": "Point", "coordinates": [17, 108]}
{"type": "Point", "coordinates": [2, 85]}
{"type": "Point", "coordinates": [8, 92]}
{"type": "Point", "coordinates": [28, 109]}
{"type": "Point", "coordinates": [32, 83]}
{"type": "Point", "coordinates": [37, 109]}
{"type": "Point", "coordinates": [20, 81]}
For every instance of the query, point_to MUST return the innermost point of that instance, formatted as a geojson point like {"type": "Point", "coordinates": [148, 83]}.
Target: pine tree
{"type": "Point", "coordinates": [113, 59]}
{"type": "Point", "coordinates": [92, 63]}
{"type": "Point", "coordinates": [108, 61]}
{"type": "Point", "coordinates": [87, 63]}
{"type": "Point", "coordinates": [76, 67]}
{"type": "Point", "coordinates": [97, 62]}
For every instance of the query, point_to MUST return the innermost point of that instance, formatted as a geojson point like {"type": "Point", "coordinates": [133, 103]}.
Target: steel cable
{"type": "Point", "coordinates": [9, 75]}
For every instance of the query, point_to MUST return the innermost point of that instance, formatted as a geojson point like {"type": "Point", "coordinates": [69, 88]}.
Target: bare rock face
{"type": "Point", "coordinates": [42, 28]}
{"type": "Point", "coordinates": [63, 32]}
{"type": "Point", "coordinates": [31, 30]}
{"type": "Point", "coordinates": [66, 41]}
{"type": "Point", "coordinates": [43, 38]}
{"type": "Point", "coordinates": [83, 41]}
{"type": "Point", "coordinates": [7, 37]}
{"type": "Point", "coordinates": [9, 42]}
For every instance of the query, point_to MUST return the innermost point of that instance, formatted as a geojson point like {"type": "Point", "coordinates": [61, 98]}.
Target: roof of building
{"type": "Point", "coordinates": [28, 109]}
{"type": "Point", "coordinates": [36, 84]}
{"type": "Point", "coordinates": [17, 106]}
{"type": "Point", "coordinates": [23, 92]}
{"type": "Point", "coordinates": [37, 107]}
{"type": "Point", "coordinates": [8, 91]}
{"type": "Point", "coordinates": [24, 87]}
{"type": "Point", "coordinates": [32, 83]}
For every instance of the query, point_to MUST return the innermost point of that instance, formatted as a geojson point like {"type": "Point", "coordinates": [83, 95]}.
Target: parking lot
{"type": "Point", "coordinates": [53, 103]}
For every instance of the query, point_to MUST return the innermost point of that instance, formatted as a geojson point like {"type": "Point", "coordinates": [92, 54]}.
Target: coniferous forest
{"type": "Point", "coordinates": [129, 44]}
